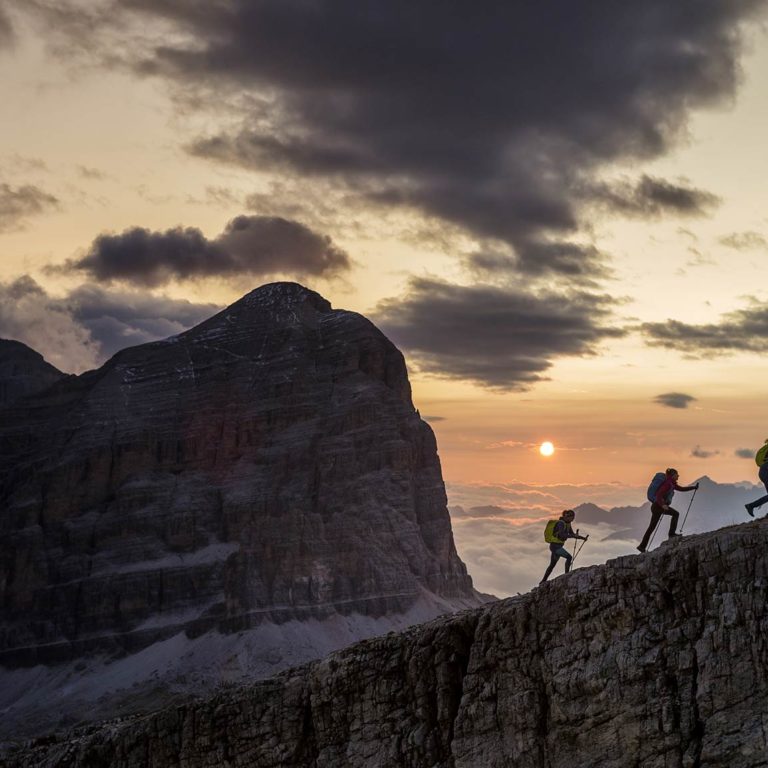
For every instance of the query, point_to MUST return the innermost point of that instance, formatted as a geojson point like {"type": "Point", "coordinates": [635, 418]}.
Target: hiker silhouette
{"type": "Point", "coordinates": [761, 459]}
{"type": "Point", "coordinates": [660, 493]}
{"type": "Point", "coordinates": [556, 534]}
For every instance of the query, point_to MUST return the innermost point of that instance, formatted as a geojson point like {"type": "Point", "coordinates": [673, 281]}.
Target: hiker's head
{"type": "Point", "coordinates": [673, 473]}
{"type": "Point", "coordinates": [568, 515]}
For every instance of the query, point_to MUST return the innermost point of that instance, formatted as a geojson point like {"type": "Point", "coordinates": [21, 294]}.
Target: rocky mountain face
{"type": "Point", "coordinates": [265, 470]}
{"type": "Point", "coordinates": [648, 661]}
{"type": "Point", "coordinates": [23, 372]}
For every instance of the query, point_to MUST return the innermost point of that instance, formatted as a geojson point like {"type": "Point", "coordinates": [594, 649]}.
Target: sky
{"type": "Point", "coordinates": [556, 210]}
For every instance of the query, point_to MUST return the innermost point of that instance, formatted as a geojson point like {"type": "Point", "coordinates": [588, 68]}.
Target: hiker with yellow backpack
{"type": "Point", "coordinates": [556, 534]}
{"type": "Point", "coordinates": [761, 459]}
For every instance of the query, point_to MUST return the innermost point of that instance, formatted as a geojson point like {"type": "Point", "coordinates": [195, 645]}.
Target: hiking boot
{"type": "Point", "coordinates": [674, 535]}
{"type": "Point", "coordinates": [640, 549]}
{"type": "Point", "coordinates": [750, 510]}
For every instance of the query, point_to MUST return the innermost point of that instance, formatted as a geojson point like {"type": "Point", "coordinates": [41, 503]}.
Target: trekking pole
{"type": "Point", "coordinates": [653, 535]}
{"type": "Point", "coordinates": [689, 509]}
{"type": "Point", "coordinates": [575, 542]}
{"type": "Point", "coordinates": [576, 551]}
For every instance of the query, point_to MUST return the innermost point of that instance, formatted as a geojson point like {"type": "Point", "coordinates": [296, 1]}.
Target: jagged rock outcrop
{"type": "Point", "coordinates": [23, 372]}
{"type": "Point", "coordinates": [266, 467]}
{"type": "Point", "coordinates": [646, 662]}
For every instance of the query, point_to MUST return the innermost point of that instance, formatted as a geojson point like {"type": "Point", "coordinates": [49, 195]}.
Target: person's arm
{"type": "Point", "coordinates": [571, 534]}
{"type": "Point", "coordinates": [686, 487]}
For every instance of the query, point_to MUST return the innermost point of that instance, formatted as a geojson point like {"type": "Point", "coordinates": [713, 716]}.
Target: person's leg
{"type": "Point", "coordinates": [655, 515]}
{"type": "Point", "coordinates": [674, 517]}
{"type": "Point", "coordinates": [563, 552]}
{"type": "Point", "coordinates": [552, 563]}
{"type": "Point", "coordinates": [753, 505]}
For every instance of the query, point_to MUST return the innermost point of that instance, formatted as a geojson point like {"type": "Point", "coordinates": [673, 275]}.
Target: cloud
{"type": "Point", "coordinates": [497, 337]}
{"type": "Point", "coordinates": [652, 197]}
{"type": "Point", "coordinates": [220, 197]}
{"type": "Point", "coordinates": [581, 262]}
{"type": "Point", "coordinates": [674, 400]}
{"type": "Point", "coordinates": [17, 204]}
{"type": "Point", "coordinates": [743, 241]}
{"type": "Point", "coordinates": [248, 246]}
{"type": "Point", "coordinates": [505, 556]}
{"type": "Point", "coordinates": [499, 121]}
{"type": "Point", "coordinates": [700, 453]}
{"type": "Point", "coordinates": [7, 36]}
{"type": "Point", "coordinates": [80, 331]}
{"type": "Point", "coordinates": [28, 314]}
{"type": "Point", "coordinates": [544, 499]}
{"type": "Point", "coordinates": [743, 330]}
{"type": "Point", "coordinates": [744, 453]}
{"type": "Point", "coordinates": [515, 515]}
{"type": "Point", "coordinates": [119, 319]}
{"type": "Point", "coordinates": [92, 174]}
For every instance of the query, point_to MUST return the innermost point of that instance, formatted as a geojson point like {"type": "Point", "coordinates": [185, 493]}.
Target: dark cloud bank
{"type": "Point", "coordinates": [652, 197]}
{"type": "Point", "coordinates": [745, 330]}
{"type": "Point", "coordinates": [495, 120]}
{"type": "Point", "coordinates": [498, 120]}
{"type": "Point", "coordinates": [497, 337]}
{"type": "Point", "coordinates": [248, 246]}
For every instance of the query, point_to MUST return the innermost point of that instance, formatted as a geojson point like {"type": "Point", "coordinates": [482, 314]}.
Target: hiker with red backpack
{"type": "Point", "coordinates": [761, 459]}
{"type": "Point", "coordinates": [660, 492]}
{"type": "Point", "coordinates": [556, 534]}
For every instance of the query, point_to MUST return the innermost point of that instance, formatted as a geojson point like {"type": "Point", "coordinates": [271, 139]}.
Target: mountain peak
{"type": "Point", "coordinates": [262, 474]}
{"type": "Point", "coordinates": [284, 293]}
{"type": "Point", "coordinates": [270, 308]}
{"type": "Point", "coordinates": [23, 371]}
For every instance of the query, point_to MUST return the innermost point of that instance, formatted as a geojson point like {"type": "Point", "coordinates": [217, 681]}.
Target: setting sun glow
{"type": "Point", "coordinates": [546, 449]}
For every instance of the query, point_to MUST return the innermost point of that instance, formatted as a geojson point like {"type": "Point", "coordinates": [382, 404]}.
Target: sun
{"type": "Point", "coordinates": [546, 449]}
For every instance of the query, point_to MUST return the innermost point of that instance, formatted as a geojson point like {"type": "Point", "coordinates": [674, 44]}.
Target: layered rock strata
{"type": "Point", "coordinates": [646, 662]}
{"type": "Point", "coordinates": [265, 467]}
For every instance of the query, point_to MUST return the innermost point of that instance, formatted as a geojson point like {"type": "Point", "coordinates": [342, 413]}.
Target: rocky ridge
{"type": "Point", "coordinates": [23, 372]}
{"type": "Point", "coordinates": [249, 494]}
{"type": "Point", "coordinates": [645, 662]}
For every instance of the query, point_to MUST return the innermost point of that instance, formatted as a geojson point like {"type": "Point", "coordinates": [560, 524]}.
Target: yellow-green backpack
{"type": "Point", "coordinates": [549, 533]}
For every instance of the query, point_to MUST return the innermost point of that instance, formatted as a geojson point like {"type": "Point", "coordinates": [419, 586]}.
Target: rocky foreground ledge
{"type": "Point", "coordinates": [653, 660]}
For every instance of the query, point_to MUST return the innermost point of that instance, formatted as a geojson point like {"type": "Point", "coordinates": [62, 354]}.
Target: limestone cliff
{"type": "Point", "coordinates": [646, 662]}
{"type": "Point", "coordinates": [264, 470]}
